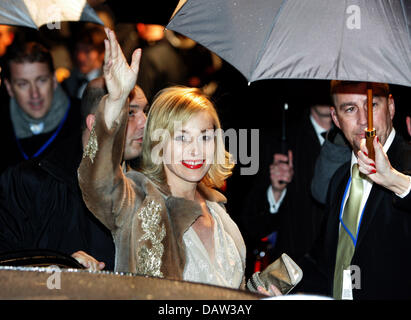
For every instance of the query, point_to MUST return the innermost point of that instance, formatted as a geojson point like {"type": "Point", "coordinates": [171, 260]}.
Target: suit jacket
{"type": "Point", "coordinates": [384, 240]}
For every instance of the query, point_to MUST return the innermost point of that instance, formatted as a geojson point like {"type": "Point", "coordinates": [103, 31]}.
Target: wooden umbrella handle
{"type": "Point", "coordinates": [369, 138]}
{"type": "Point", "coordinates": [370, 131]}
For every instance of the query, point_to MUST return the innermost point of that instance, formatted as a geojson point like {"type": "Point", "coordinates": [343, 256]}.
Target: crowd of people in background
{"type": "Point", "coordinates": [50, 91]}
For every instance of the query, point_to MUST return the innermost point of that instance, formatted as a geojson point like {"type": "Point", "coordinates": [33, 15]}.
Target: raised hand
{"type": "Point", "coordinates": [120, 77]}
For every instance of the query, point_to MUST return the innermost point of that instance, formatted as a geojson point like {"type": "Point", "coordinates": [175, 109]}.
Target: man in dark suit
{"type": "Point", "coordinates": [279, 205]}
{"type": "Point", "coordinates": [364, 249]}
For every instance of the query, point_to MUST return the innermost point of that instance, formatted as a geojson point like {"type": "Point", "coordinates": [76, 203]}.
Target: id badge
{"type": "Point", "coordinates": [347, 285]}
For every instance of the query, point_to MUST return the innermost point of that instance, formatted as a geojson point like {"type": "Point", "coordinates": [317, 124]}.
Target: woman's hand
{"type": "Point", "coordinates": [88, 261]}
{"type": "Point", "coordinates": [120, 77]}
{"type": "Point", "coordinates": [377, 170]}
{"type": "Point", "coordinates": [380, 171]}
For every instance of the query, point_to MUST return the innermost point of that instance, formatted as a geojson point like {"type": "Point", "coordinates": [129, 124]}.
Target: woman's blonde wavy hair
{"type": "Point", "coordinates": [180, 104]}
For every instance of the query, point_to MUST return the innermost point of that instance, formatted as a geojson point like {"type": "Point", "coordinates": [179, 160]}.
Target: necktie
{"type": "Point", "coordinates": [345, 248]}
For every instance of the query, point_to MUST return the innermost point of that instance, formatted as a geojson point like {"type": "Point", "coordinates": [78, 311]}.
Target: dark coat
{"type": "Point", "coordinates": [299, 218]}
{"type": "Point", "coordinates": [41, 207]}
{"type": "Point", "coordinates": [11, 154]}
{"type": "Point", "coordinates": [383, 246]}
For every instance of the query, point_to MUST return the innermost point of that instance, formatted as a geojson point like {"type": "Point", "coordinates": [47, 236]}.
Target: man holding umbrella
{"type": "Point", "coordinates": [364, 252]}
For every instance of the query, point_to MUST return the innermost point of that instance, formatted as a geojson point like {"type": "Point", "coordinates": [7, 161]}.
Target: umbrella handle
{"type": "Point", "coordinates": [370, 131]}
{"type": "Point", "coordinates": [369, 138]}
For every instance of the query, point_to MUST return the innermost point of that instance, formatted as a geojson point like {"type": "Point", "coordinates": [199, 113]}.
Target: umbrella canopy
{"type": "Point", "coordinates": [357, 40]}
{"type": "Point", "coordinates": [35, 13]}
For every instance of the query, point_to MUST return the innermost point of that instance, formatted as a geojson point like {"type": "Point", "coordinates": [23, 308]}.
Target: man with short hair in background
{"type": "Point", "coordinates": [40, 114]}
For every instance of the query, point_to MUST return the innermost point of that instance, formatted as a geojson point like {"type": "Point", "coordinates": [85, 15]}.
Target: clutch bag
{"type": "Point", "coordinates": [284, 273]}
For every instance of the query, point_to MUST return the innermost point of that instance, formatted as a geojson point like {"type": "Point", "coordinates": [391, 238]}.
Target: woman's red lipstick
{"type": "Point", "coordinates": [193, 164]}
